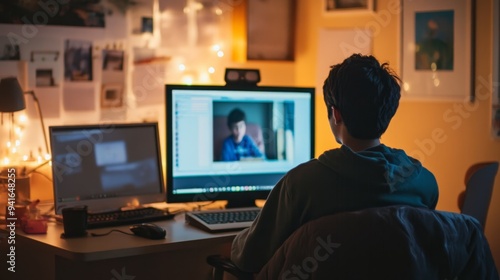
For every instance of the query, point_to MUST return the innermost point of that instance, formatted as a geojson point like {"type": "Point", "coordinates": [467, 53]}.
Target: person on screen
{"type": "Point", "coordinates": [361, 97]}
{"type": "Point", "coordinates": [238, 145]}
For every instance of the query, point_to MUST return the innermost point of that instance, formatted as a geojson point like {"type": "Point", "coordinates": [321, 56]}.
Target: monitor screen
{"type": "Point", "coordinates": [235, 143]}
{"type": "Point", "coordinates": [106, 166]}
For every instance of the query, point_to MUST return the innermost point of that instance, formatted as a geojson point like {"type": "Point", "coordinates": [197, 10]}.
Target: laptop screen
{"type": "Point", "coordinates": [106, 166]}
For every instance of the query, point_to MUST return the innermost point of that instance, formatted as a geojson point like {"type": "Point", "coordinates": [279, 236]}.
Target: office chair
{"type": "Point", "coordinates": [479, 182]}
{"type": "Point", "coordinates": [393, 242]}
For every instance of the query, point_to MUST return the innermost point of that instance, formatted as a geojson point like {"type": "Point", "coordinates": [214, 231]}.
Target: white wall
{"type": "Point", "coordinates": [178, 38]}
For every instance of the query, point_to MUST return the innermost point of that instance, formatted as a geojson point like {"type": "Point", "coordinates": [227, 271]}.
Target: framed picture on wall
{"type": "Point", "coordinates": [437, 49]}
{"type": "Point", "coordinates": [271, 41]}
{"type": "Point", "coordinates": [348, 6]}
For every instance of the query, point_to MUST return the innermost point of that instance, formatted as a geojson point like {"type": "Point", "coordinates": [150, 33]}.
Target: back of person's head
{"type": "Point", "coordinates": [235, 116]}
{"type": "Point", "coordinates": [365, 92]}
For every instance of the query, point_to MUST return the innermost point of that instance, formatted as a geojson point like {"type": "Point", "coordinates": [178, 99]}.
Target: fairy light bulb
{"type": "Point", "coordinates": [23, 118]}
{"type": "Point", "coordinates": [187, 79]}
{"type": "Point", "coordinates": [216, 47]}
{"type": "Point", "coordinates": [204, 78]}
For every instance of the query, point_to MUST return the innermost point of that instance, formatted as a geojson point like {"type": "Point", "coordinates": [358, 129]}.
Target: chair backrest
{"type": "Point", "coordinates": [394, 242]}
{"type": "Point", "coordinates": [479, 182]}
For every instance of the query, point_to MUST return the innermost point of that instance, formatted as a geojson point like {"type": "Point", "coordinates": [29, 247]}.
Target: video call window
{"type": "Point", "coordinates": [253, 130]}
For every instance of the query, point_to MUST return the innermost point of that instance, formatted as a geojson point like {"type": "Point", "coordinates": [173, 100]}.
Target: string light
{"type": "Point", "coordinates": [14, 146]}
{"type": "Point", "coordinates": [187, 79]}
{"type": "Point", "coordinates": [204, 77]}
{"type": "Point", "coordinates": [216, 47]}
{"type": "Point", "coordinates": [199, 68]}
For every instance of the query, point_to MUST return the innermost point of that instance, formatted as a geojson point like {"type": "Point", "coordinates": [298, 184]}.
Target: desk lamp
{"type": "Point", "coordinates": [12, 100]}
{"type": "Point", "coordinates": [11, 96]}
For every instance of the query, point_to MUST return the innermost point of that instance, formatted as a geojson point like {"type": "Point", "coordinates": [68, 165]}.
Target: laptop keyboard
{"type": "Point", "coordinates": [126, 217]}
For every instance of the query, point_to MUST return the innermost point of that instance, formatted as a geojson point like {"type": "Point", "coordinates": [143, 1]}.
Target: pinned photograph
{"type": "Point", "coordinates": [44, 78]}
{"type": "Point", "coordinates": [112, 60]}
{"type": "Point", "coordinates": [147, 25]}
{"type": "Point", "coordinates": [8, 51]}
{"type": "Point", "coordinates": [78, 60]}
{"type": "Point", "coordinates": [112, 96]}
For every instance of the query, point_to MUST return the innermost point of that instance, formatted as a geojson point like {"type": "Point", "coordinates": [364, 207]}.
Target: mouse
{"type": "Point", "coordinates": [150, 231]}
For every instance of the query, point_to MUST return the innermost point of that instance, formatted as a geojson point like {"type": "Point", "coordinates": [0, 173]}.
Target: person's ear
{"type": "Point", "coordinates": [337, 118]}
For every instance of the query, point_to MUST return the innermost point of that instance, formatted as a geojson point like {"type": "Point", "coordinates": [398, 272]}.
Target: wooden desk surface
{"type": "Point", "coordinates": [181, 254]}
{"type": "Point", "coordinates": [180, 236]}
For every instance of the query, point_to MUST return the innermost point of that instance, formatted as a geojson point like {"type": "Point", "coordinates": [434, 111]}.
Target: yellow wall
{"type": "Point", "coordinates": [464, 141]}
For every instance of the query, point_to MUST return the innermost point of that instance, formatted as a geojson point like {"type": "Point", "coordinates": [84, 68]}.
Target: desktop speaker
{"type": "Point", "coordinates": [74, 221]}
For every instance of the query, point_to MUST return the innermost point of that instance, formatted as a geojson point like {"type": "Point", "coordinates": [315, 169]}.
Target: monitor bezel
{"type": "Point", "coordinates": [236, 199]}
{"type": "Point", "coordinates": [115, 203]}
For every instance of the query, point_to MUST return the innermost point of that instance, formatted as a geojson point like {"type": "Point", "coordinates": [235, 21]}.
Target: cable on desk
{"type": "Point", "coordinates": [106, 233]}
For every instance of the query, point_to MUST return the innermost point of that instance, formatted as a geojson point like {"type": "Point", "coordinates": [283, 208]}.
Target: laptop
{"type": "Point", "coordinates": [106, 167]}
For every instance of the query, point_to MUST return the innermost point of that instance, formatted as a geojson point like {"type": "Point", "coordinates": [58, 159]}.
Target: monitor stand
{"type": "Point", "coordinates": [241, 203]}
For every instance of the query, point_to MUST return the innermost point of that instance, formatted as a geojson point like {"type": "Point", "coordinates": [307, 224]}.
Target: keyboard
{"type": "Point", "coordinates": [222, 220]}
{"type": "Point", "coordinates": [127, 217]}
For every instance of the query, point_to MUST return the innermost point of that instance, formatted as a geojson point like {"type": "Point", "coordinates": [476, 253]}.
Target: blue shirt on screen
{"type": "Point", "coordinates": [232, 151]}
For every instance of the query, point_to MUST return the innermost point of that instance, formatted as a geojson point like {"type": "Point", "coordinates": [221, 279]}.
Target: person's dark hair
{"type": "Point", "coordinates": [236, 115]}
{"type": "Point", "coordinates": [365, 92]}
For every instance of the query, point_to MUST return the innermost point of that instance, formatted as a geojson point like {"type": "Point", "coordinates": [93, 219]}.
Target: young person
{"type": "Point", "coordinates": [238, 145]}
{"type": "Point", "coordinates": [361, 97]}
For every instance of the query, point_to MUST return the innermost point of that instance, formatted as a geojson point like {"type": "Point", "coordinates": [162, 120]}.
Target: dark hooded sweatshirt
{"type": "Point", "coordinates": [339, 180]}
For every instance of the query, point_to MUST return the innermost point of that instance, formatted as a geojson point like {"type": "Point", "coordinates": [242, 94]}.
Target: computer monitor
{"type": "Point", "coordinates": [106, 166]}
{"type": "Point", "coordinates": [279, 121]}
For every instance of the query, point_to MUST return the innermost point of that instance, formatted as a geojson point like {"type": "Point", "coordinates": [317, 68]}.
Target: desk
{"type": "Point", "coordinates": [117, 256]}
